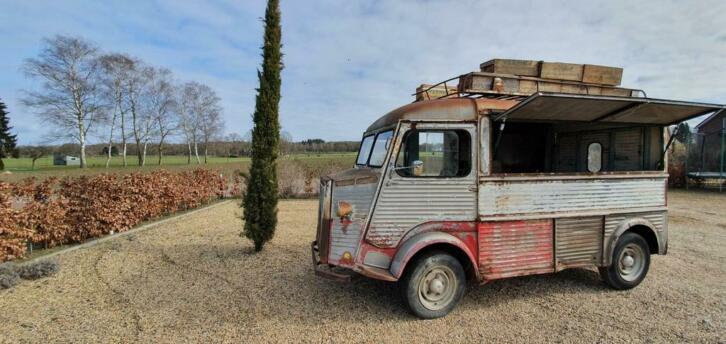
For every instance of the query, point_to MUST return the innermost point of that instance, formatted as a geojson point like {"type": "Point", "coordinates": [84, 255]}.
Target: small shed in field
{"type": "Point", "coordinates": [65, 160]}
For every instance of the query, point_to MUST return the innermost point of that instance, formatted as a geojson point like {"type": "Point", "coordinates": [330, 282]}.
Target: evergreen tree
{"type": "Point", "coordinates": [260, 199]}
{"type": "Point", "coordinates": [8, 141]}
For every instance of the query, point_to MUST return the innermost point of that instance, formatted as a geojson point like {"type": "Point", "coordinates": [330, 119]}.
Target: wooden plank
{"type": "Point", "coordinates": [434, 93]}
{"type": "Point", "coordinates": [475, 82]}
{"type": "Point", "coordinates": [561, 71]}
{"type": "Point", "coordinates": [527, 86]}
{"type": "Point", "coordinates": [614, 91]}
{"type": "Point", "coordinates": [574, 89]}
{"type": "Point", "coordinates": [603, 75]}
{"type": "Point", "coordinates": [511, 66]}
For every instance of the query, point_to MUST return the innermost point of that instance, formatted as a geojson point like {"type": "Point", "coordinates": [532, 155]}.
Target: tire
{"type": "Point", "coordinates": [629, 264]}
{"type": "Point", "coordinates": [433, 285]}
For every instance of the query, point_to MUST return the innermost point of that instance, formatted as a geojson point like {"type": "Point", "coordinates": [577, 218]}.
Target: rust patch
{"type": "Point", "coordinates": [515, 248]}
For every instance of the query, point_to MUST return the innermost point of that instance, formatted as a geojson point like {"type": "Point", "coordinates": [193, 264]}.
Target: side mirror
{"type": "Point", "coordinates": [417, 166]}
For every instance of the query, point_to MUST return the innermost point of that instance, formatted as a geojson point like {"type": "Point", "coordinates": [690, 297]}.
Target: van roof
{"type": "Point", "coordinates": [447, 109]}
{"type": "Point", "coordinates": [549, 107]}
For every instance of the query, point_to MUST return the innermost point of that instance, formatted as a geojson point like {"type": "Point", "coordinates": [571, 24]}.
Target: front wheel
{"type": "Point", "coordinates": [629, 263]}
{"type": "Point", "coordinates": [433, 284]}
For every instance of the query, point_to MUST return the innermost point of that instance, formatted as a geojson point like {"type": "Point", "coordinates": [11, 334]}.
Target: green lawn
{"type": "Point", "coordinates": [21, 168]}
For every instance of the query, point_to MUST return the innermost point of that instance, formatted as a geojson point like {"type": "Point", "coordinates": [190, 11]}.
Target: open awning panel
{"type": "Point", "coordinates": [584, 108]}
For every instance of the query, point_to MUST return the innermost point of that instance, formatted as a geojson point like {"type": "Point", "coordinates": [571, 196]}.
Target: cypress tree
{"type": "Point", "coordinates": [8, 141]}
{"type": "Point", "coordinates": [260, 199]}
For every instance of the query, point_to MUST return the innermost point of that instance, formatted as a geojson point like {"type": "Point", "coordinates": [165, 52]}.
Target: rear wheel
{"type": "Point", "coordinates": [433, 284]}
{"type": "Point", "coordinates": [629, 263]}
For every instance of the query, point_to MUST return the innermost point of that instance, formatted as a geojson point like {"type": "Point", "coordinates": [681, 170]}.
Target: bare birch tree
{"type": "Point", "coordinates": [162, 103]}
{"type": "Point", "coordinates": [116, 68]}
{"type": "Point", "coordinates": [211, 124]}
{"type": "Point", "coordinates": [70, 98]}
{"type": "Point", "coordinates": [188, 120]}
{"type": "Point", "coordinates": [136, 91]}
{"type": "Point", "coordinates": [199, 117]}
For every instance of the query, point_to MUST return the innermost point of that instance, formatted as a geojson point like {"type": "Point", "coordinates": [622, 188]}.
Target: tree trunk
{"type": "Point", "coordinates": [206, 145]}
{"type": "Point", "coordinates": [123, 139]}
{"type": "Point", "coordinates": [143, 157]}
{"type": "Point", "coordinates": [83, 152]}
{"type": "Point", "coordinates": [196, 152]}
{"type": "Point", "coordinates": [137, 139]}
{"type": "Point", "coordinates": [189, 156]}
{"type": "Point", "coordinates": [82, 141]}
{"type": "Point", "coordinates": [161, 145]}
{"type": "Point", "coordinates": [110, 142]}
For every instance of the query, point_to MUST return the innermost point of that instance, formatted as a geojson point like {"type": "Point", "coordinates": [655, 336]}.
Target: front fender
{"type": "Point", "coordinates": [420, 241]}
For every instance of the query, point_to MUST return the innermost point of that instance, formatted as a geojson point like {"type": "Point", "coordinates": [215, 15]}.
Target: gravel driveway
{"type": "Point", "coordinates": [195, 279]}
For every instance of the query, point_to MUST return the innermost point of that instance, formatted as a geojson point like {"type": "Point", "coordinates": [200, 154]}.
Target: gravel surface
{"type": "Point", "coordinates": [196, 280]}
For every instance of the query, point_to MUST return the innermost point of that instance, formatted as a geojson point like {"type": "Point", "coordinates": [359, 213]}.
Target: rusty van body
{"type": "Point", "coordinates": [465, 188]}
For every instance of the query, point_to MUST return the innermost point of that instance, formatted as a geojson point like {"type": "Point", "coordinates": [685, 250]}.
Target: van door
{"type": "Point", "coordinates": [429, 179]}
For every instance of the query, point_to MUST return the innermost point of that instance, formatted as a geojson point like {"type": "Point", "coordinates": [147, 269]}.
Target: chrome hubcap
{"type": "Point", "coordinates": [631, 262]}
{"type": "Point", "coordinates": [437, 287]}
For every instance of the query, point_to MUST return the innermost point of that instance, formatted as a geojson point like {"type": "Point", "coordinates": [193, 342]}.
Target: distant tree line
{"type": "Point", "coordinates": [230, 146]}
{"type": "Point", "coordinates": [133, 106]}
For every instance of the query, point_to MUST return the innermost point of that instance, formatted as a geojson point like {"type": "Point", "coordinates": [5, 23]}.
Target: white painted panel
{"type": "Point", "coordinates": [527, 197]}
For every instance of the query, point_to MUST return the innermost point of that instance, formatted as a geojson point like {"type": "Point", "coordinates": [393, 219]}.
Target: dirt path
{"type": "Point", "coordinates": [196, 280]}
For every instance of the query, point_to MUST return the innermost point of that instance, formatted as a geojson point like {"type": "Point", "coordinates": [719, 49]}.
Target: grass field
{"type": "Point", "coordinates": [21, 168]}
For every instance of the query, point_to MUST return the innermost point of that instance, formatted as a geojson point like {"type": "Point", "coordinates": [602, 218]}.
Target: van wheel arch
{"type": "Point", "coordinates": [434, 241]}
{"type": "Point", "coordinates": [641, 227]}
{"type": "Point", "coordinates": [454, 251]}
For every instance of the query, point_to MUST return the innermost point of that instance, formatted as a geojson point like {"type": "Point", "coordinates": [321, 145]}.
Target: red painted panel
{"type": "Point", "coordinates": [515, 248]}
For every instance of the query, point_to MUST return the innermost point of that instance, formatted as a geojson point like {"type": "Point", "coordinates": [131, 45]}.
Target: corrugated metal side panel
{"type": "Point", "coordinates": [515, 248]}
{"type": "Point", "coordinates": [345, 233]}
{"type": "Point", "coordinates": [578, 241]}
{"type": "Point", "coordinates": [405, 204]}
{"type": "Point", "coordinates": [612, 222]}
{"type": "Point", "coordinates": [515, 197]}
{"type": "Point", "coordinates": [628, 150]}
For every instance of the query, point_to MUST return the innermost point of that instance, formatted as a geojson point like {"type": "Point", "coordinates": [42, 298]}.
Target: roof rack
{"type": "Point", "coordinates": [513, 87]}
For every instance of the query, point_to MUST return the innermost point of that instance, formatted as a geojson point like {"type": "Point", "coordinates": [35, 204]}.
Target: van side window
{"type": "Point", "coordinates": [435, 153]}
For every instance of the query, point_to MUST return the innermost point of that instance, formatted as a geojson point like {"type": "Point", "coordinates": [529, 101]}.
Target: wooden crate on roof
{"type": "Point", "coordinates": [434, 93]}
{"type": "Point", "coordinates": [587, 73]}
{"type": "Point", "coordinates": [510, 66]}
{"type": "Point", "coordinates": [519, 85]}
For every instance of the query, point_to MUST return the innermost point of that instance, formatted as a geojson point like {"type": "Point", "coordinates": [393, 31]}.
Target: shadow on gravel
{"type": "Point", "coordinates": [277, 286]}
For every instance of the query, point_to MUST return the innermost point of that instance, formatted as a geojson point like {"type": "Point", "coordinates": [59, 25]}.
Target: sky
{"type": "Point", "coordinates": [349, 62]}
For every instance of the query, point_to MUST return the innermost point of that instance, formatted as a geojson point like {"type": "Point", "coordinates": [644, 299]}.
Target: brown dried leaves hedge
{"type": "Point", "coordinates": [55, 212]}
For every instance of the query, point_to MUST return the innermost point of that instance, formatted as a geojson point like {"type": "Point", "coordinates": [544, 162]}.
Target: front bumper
{"type": "Point", "coordinates": [323, 270]}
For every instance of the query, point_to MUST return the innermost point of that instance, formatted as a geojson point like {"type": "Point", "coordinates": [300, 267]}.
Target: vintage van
{"type": "Point", "coordinates": [477, 187]}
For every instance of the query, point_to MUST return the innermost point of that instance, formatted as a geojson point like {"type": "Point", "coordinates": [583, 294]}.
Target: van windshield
{"type": "Point", "coordinates": [373, 149]}
{"type": "Point", "coordinates": [365, 150]}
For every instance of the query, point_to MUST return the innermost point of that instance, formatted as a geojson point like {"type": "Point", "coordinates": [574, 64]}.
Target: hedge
{"type": "Point", "coordinates": [70, 210]}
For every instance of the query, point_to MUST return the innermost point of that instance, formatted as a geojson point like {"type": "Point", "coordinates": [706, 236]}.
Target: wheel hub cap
{"type": "Point", "coordinates": [631, 262]}
{"type": "Point", "coordinates": [628, 261]}
{"type": "Point", "coordinates": [437, 288]}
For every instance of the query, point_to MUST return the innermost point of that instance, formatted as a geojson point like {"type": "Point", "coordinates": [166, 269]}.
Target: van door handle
{"type": "Point", "coordinates": [472, 188]}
